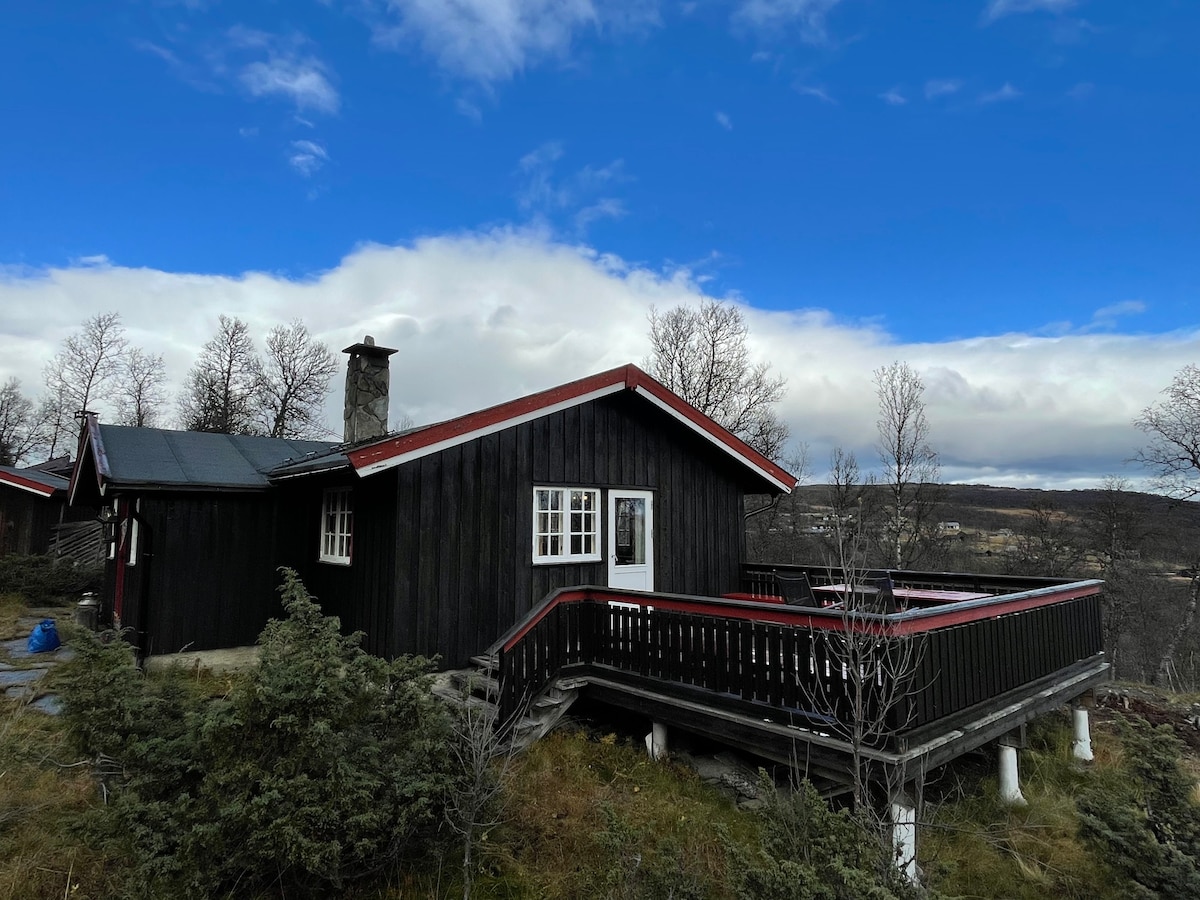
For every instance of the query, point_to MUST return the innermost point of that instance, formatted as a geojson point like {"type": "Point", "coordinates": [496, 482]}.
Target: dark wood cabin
{"type": "Point", "coordinates": [33, 504]}
{"type": "Point", "coordinates": [433, 541]}
{"type": "Point", "coordinates": [191, 531]}
{"type": "Point", "coordinates": [458, 530]}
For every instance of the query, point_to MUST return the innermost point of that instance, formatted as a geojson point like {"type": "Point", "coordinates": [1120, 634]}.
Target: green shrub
{"type": "Point", "coordinates": [44, 579]}
{"type": "Point", "coordinates": [321, 765]}
{"type": "Point", "coordinates": [1148, 827]}
{"type": "Point", "coordinates": [810, 852]}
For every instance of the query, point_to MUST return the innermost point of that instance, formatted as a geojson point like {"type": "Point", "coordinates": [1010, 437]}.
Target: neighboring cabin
{"type": "Point", "coordinates": [434, 540]}
{"type": "Point", "coordinates": [33, 501]}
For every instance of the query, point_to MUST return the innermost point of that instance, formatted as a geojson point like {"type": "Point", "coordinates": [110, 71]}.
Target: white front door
{"type": "Point", "coordinates": [631, 540]}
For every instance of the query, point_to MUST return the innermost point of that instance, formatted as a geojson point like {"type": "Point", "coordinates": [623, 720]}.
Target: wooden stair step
{"type": "Point", "coordinates": [485, 661]}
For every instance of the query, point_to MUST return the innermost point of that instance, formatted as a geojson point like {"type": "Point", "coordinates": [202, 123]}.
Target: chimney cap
{"type": "Point", "coordinates": [367, 348]}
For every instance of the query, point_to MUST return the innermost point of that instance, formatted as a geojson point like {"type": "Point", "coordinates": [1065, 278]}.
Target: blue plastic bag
{"type": "Point", "coordinates": [44, 637]}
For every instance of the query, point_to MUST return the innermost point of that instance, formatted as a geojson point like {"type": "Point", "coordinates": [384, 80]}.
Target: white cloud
{"type": "Point", "coordinates": [723, 120]}
{"type": "Point", "coordinates": [769, 16]}
{"type": "Point", "coordinates": [487, 316]}
{"type": "Point", "coordinates": [893, 97]}
{"type": "Point", "coordinates": [819, 93]}
{"type": "Point", "coordinates": [293, 76]}
{"type": "Point", "coordinates": [584, 195]}
{"type": "Point", "coordinates": [941, 87]}
{"type": "Point", "coordinates": [998, 9]}
{"type": "Point", "coordinates": [306, 157]}
{"type": "Point", "coordinates": [1003, 93]}
{"type": "Point", "coordinates": [494, 40]}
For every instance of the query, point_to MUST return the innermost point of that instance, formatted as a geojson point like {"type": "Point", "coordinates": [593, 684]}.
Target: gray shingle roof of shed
{"type": "Point", "coordinates": [193, 459]}
{"type": "Point", "coordinates": [31, 474]}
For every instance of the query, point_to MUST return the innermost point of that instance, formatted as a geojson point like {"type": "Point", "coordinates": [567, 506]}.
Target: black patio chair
{"type": "Point", "coordinates": [795, 589]}
{"type": "Point", "coordinates": [885, 597]}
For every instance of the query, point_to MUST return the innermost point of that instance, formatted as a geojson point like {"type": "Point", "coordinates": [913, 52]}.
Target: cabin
{"type": "Point", "coordinates": [34, 515]}
{"type": "Point", "coordinates": [433, 541]}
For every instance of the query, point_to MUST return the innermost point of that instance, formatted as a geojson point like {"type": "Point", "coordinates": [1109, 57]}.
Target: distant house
{"type": "Point", "coordinates": [949, 527]}
{"type": "Point", "coordinates": [433, 540]}
{"type": "Point", "coordinates": [33, 501]}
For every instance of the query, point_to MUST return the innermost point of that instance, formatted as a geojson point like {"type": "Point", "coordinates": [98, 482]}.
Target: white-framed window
{"type": "Point", "coordinates": [337, 526]}
{"type": "Point", "coordinates": [566, 525]}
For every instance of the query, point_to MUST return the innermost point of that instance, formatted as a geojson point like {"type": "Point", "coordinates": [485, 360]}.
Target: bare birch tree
{"type": "Point", "coordinates": [910, 465]}
{"type": "Point", "coordinates": [141, 389]}
{"type": "Point", "coordinates": [295, 382]}
{"type": "Point", "coordinates": [222, 391]}
{"type": "Point", "coordinates": [18, 427]}
{"type": "Point", "coordinates": [80, 374]}
{"type": "Point", "coordinates": [1173, 455]}
{"type": "Point", "coordinates": [700, 353]}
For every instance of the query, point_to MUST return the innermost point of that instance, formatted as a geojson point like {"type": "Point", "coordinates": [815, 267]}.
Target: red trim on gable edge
{"type": "Point", "coordinates": [28, 484]}
{"type": "Point", "coordinates": [628, 376]}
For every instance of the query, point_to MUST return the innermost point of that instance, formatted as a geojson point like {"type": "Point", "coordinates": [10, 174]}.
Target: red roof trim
{"type": "Point", "coordinates": [28, 484]}
{"type": "Point", "coordinates": [392, 451]}
{"type": "Point", "coordinates": [821, 620]}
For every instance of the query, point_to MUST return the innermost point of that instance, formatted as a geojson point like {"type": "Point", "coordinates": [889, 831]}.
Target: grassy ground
{"type": "Point", "coordinates": [594, 817]}
{"type": "Point", "coordinates": [977, 847]}
{"type": "Point", "coordinates": [590, 816]}
{"type": "Point", "coordinates": [41, 799]}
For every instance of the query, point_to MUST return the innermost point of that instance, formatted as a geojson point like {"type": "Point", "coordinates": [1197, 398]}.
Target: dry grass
{"type": "Point", "coordinates": [12, 607]}
{"type": "Point", "coordinates": [978, 848]}
{"type": "Point", "coordinates": [41, 797]}
{"type": "Point", "coordinates": [599, 818]}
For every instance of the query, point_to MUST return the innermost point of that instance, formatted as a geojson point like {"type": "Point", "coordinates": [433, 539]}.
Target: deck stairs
{"type": "Point", "coordinates": [479, 689]}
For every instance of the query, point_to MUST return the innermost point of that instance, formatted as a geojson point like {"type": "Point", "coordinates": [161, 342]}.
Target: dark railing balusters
{"type": "Point", "coordinates": [796, 669]}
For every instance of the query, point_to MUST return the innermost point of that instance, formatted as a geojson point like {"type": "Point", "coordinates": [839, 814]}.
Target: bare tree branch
{"type": "Point", "coordinates": [77, 376]}
{"type": "Point", "coordinates": [141, 389]}
{"type": "Point", "coordinates": [223, 389]}
{"type": "Point", "coordinates": [700, 353]}
{"type": "Point", "coordinates": [910, 465]}
{"type": "Point", "coordinates": [295, 382]}
{"type": "Point", "coordinates": [18, 427]}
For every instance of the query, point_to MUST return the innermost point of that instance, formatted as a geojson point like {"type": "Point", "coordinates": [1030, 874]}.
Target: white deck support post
{"type": "Point", "coordinates": [903, 816]}
{"type": "Point", "coordinates": [1010, 782]}
{"type": "Point", "coordinates": [1081, 747]}
{"type": "Point", "coordinates": [656, 741]}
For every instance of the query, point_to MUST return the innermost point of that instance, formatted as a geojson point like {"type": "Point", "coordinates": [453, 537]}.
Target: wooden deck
{"type": "Point", "coordinates": [939, 679]}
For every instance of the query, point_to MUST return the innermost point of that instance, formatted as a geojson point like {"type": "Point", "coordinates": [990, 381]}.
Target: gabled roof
{"type": "Point", "coordinates": [33, 480]}
{"type": "Point", "coordinates": [401, 448]}
{"type": "Point", "coordinates": [161, 459]}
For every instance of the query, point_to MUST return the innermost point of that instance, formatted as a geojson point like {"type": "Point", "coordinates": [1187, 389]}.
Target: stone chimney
{"type": "Point", "coordinates": [366, 410]}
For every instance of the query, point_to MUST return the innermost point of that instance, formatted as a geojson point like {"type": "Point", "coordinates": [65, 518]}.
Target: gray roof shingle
{"type": "Point", "coordinates": [194, 459]}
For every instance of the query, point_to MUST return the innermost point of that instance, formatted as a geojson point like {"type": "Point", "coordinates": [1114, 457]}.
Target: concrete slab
{"type": "Point", "coordinates": [22, 677]}
{"type": "Point", "coordinates": [233, 659]}
{"type": "Point", "coordinates": [48, 704]}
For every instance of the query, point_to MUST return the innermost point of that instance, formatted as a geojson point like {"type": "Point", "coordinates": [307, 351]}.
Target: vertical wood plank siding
{"type": "Point", "coordinates": [463, 538]}
{"type": "Point", "coordinates": [204, 576]}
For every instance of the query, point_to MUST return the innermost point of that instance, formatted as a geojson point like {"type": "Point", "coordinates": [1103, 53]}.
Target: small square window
{"type": "Point", "coordinates": [566, 525]}
{"type": "Point", "coordinates": [337, 526]}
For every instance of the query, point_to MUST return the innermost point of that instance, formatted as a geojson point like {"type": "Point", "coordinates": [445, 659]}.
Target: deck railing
{"type": "Point", "coordinates": [791, 664]}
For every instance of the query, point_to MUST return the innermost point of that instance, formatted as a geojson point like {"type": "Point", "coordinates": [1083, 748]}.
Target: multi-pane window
{"type": "Point", "coordinates": [566, 524]}
{"type": "Point", "coordinates": [337, 521]}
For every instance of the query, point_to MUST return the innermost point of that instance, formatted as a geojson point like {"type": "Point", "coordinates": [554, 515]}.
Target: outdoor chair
{"type": "Point", "coordinates": [796, 590]}
{"type": "Point", "coordinates": [885, 597]}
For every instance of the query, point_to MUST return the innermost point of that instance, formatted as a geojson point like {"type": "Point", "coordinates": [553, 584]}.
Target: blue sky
{"type": "Point", "coordinates": [925, 179]}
